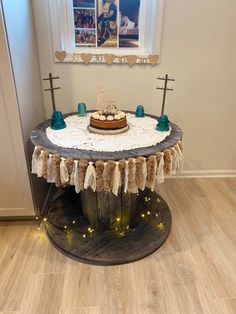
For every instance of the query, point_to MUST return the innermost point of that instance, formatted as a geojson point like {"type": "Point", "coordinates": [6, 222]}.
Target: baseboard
{"type": "Point", "coordinates": [17, 218]}
{"type": "Point", "coordinates": [207, 174]}
{"type": "Point", "coordinates": [15, 212]}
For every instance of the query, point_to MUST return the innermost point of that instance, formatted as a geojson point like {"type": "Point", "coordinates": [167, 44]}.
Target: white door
{"type": "Point", "coordinates": [15, 191]}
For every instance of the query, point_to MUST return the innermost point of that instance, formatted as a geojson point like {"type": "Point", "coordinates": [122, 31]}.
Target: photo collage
{"type": "Point", "coordinates": [106, 23]}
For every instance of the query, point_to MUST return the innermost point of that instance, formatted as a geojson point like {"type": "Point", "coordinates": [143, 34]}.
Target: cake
{"type": "Point", "coordinates": [107, 119]}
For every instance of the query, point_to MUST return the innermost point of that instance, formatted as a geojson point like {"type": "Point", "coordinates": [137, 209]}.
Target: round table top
{"type": "Point", "coordinates": [39, 138]}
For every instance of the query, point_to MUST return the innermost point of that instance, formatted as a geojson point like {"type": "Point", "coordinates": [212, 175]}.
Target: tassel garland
{"type": "Point", "coordinates": [64, 171]}
{"type": "Point", "coordinates": [35, 156]}
{"type": "Point", "coordinates": [160, 169]}
{"type": "Point", "coordinates": [129, 175]}
{"type": "Point", "coordinates": [116, 180]}
{"type": "Point", "coordinates": [90, 177]}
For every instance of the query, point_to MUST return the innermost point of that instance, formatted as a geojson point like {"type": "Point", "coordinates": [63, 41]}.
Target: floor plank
{"type": "Point", "coordinates": [193, 272]}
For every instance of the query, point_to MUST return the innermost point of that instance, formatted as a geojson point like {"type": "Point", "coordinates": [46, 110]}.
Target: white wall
{"type": "Point", "coordinates": [198, 50]}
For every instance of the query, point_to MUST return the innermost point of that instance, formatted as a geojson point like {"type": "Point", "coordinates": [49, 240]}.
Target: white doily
{"type": "Point", "coordinates": [142, 133]}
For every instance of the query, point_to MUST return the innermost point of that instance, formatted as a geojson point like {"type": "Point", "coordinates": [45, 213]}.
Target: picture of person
{"type": "Point", "coordinates": [84, 18]}
{"type": "Point", "coordinates": [84, 3]}
{"type": "Point", "coordinates": [107, 23]}
{"type": "Point", "coordinates": [126, 24]}
{"type": "Point", "coordinates": [85, 37]}
{"type": "Point", "coordinates": [129, 23]}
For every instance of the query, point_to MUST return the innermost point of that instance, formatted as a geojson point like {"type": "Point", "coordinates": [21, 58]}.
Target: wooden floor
{"type": "Point", "coordinates": [193, 272]}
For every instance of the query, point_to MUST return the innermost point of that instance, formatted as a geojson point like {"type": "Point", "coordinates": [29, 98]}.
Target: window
{"type": "Point", "coordinates": [106, 30]}
{"type": "Point", "coordinates": [106, 23]}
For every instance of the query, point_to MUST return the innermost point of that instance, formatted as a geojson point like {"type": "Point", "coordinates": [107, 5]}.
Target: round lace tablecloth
{"type": "Point", "coordinates": [39, 138]}
{"type": "Point", "coordinates": [142, 133]}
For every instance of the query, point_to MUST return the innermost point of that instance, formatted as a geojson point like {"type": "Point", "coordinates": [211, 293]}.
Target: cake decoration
{"type": "Point", "coordinates": [163, 121]}
{"type": "Point", "coordinates": [82, 109]}
{"type": "Point", "coordinates": [108, 119]}
{"type": "Point", "coordinates": [139, 111]}
{"type": "Point", "coordinates": [58, 122]}
{"type": "Point", "coordinates": [163, 124]}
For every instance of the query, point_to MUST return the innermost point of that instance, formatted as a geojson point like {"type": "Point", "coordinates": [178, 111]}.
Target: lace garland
{"type": "Point", "coordinates": [142, 133]}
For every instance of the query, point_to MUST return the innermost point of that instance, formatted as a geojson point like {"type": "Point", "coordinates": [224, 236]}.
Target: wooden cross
{"type": "Point", "coordinates": [165, 88]}
{"type": "Point", "coordinates": [51, 89]}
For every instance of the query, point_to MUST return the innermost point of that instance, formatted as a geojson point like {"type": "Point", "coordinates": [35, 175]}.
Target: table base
{"type": "Point", "coordinates": [70, 233]}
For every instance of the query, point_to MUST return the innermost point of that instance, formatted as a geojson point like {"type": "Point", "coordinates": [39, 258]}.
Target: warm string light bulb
{"type": "Point", "coordinates": [40, 220]}
{"type": "Point", "coordinates": [122, 233]}
{"type": "Point", "coordinates": [147, 199]}
{"type": "Point", "coordinates": [160, 226]}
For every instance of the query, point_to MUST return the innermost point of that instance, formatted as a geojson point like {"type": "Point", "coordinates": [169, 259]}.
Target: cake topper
{"type": "Point", "coordinates": [107, 101]}
{"type": "Point", "coordinates": [165, 88]}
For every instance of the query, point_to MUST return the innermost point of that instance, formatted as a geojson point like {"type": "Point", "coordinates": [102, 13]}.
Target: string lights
{"type": "Point", "coordinates": [118, 227]}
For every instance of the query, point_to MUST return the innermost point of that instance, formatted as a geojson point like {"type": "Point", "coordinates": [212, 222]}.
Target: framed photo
{"type": "Point", "coordinates": [109, 31]}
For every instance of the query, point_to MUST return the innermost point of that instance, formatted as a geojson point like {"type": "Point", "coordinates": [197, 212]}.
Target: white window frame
{"type": "Point", "coordinates": [63, 41]}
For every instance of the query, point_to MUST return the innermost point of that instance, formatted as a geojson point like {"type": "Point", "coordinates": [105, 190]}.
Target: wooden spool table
{"type": "Point", "coordinates": [101, 228]}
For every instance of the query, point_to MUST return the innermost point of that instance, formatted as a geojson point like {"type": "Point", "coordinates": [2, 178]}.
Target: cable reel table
{"type": "Point", "coordinates": [98, 227]}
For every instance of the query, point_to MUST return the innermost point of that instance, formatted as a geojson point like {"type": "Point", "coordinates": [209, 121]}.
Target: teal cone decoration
{"type": "Point", "coordinates": [58, 122]}
{"type": "Point", "coordinates": [163, 124]}
{"type": "Point", "coordinates": [139, 111]}
{"type": "Point", "coordinates": [81, 109]}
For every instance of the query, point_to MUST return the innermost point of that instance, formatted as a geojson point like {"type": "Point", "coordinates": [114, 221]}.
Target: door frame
{"type": "Point", "coordinates": [11, 107]}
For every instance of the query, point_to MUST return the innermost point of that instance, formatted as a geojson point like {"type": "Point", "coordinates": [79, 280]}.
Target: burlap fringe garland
{"type": "Point", "coordinates": [132, 174]}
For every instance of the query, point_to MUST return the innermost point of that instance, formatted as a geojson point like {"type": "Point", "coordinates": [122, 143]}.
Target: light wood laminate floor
{"type": "Point", "coordinates": [193, 272]}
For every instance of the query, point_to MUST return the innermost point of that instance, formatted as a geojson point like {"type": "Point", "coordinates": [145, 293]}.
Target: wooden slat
{"type": "Point", "coordinates": [90, 206]}
{"type": "Point", "coordinates": [115, 210]}
{"type": "Point", "coordinates": [103, 203]}
{"type": "Point", "coordinates": [128, 208]}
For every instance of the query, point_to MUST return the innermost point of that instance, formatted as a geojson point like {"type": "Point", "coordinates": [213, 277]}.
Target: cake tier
{"type": "Point", "coordinates": [108, 125]}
